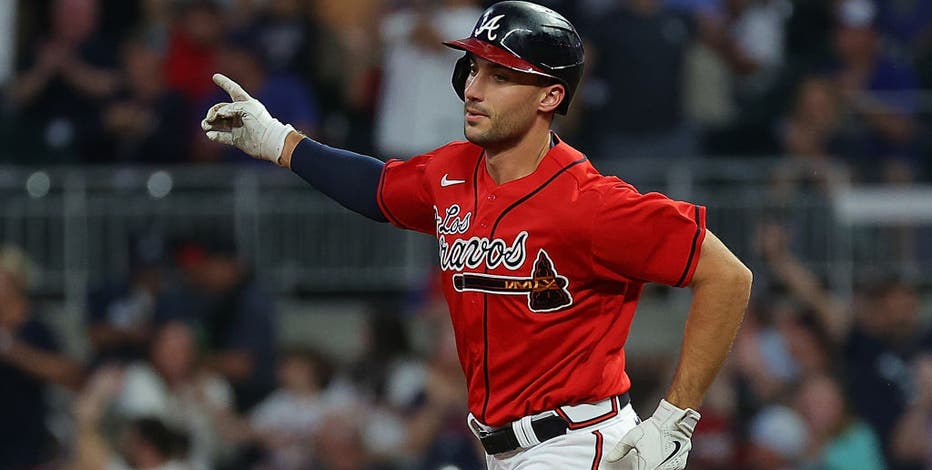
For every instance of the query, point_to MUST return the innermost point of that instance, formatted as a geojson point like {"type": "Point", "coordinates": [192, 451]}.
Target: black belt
{"type": "Point", "coordinates": [545, 428]}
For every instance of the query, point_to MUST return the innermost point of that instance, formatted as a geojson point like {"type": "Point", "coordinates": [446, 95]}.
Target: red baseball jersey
{"type": "Point", "coordinates": [542, 274]}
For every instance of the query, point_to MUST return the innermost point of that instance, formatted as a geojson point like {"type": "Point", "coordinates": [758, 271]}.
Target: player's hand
{"type": "Point", "coordinates": [661, 442]}
{"type": "Point", "coordinates": [245, 123]}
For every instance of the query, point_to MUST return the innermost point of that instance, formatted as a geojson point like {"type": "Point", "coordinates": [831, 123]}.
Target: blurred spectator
{"type": "Point", "coordinates": [61, 84]}
{"type": "Point", "coordinates": [778, 439]}
{"type": "Point", "coordinates": [717, 437]}
{"type": "Point", "coordinates": [634, 95]}
{"type": "Point", "coordinates": [417, 111]}
{"type": "Point", "coordinates": [907, 23]}
{"type": "Point", "coordinates": [120, 18]}
{"type": "Point", "coordinates": [912, 439]}
{"type": "Point", "coordinates": [808, 32]}
{"type": "Point", "coordinates": [709, 8]}
{"type": "Point", "coordinates": [345, 70]}
{"type": "Point", "coordinates": [838, 440]}
{"type": "Point", "coordinates": [290, 417]}
{"type": "Point", "coordinates": [145, 122]}
{"type": "Point", "coordinates": [283, 93]}
{"type": "Point", "coordinates": [436, 437]}
{"type": "Point", "coordinates": [784, 339]}
{"type": "Point", "coordinates": [177, 390]}
{"type": "Point", "coordinates": [813, 120]}
{"type": "Point", "coordinates": [808, 137]}
{"type": "Point", "coordinates": [756, 30]}
{"type": "Point", "coordinates": [710, 101]}
{"type": "Point", "coordinates": [751, 42]}
{"type": "Point", "coordinates": [156, 22]}
{"type": "Point", "coordinates": [285, 37]}
{"type": "Point", "coordinates": [341, 445]}
{"type": "Point", "coordinates": [767, 365]}
{"type": "Point", "coordinates": [878, 93]}
{"type": "Point", "coordinates": [879, 342]}
{"type": "Point", "coordinates": [880, 349]}
{"type": "Point", "coordinates": [121, 315]}
{"type": "Point", "coordinates": [235, 318]}
{"type": "Point", "coordinates": [29, 361]}
{"type": "Point", "coordinates": [388, 379]}
{"type": "Point", "coordinates": [388, 370]}
{"type": "Point", "coordinates": [193, 46]}
{"type": "Point", "coordinates": [146, 443]}
{"type": "Point", "coordinates": [802, 285]}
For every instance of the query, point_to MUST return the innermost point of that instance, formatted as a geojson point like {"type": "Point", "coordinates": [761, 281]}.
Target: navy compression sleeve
{"type": "Point", "coordinates": [348, 178]}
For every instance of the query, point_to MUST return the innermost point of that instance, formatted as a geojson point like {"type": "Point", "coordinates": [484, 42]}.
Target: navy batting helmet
{"type": "Point", "coordinates": [526, 37]}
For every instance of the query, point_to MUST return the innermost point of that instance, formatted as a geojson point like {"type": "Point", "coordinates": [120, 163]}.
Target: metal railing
{"type": "Point", "coordinates": [75, 223]}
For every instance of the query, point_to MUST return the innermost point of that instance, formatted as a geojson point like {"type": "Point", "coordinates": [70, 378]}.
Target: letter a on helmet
{"type": "Point", "coordinates": [526, 37]}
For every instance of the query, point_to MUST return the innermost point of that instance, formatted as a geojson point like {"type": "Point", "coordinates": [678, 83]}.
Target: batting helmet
{"type": "Point", "coordinates": [526, 37]}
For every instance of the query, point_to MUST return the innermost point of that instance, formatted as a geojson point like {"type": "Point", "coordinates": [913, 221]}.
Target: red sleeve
{"type": "Point", "coordinates": [646, 237]}
{"type": "Point", "coordinates": [404, 195]}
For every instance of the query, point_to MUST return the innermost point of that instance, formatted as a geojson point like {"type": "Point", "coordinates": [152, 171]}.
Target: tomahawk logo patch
{"type": "Point", "coordinates": [546, 289]}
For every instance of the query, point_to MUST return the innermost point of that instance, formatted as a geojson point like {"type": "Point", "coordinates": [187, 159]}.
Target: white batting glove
{"type": "Point", "coordinates": [662, 442]}
{"type": "Point", "coordinates": [245, 123]}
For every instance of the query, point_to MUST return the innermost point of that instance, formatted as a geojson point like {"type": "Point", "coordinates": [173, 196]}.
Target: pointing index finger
{"type": "Point", "coordinates": [232, 88]}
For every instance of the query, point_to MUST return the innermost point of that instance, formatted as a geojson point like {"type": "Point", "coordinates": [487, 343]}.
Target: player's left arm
{"type": "Point", "coordinates": [721, 286]}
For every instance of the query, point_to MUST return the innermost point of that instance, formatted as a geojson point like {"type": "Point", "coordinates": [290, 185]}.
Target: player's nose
{"type": "Point", "coordinates": [473, 91]}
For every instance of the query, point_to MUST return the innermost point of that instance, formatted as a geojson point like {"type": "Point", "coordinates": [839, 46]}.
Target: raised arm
{"type": "Point", "coordinates": [348, 178]}
{"type": "Point", "coordinates": [803, 283]}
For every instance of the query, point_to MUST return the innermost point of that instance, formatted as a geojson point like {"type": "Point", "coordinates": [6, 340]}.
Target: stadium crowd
{"type": "Point", "coordinates": [185, 368]}
{"type": "Point", "coordinates": [832, 83]}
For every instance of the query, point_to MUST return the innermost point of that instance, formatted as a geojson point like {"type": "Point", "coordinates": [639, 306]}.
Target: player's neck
{"type": "Point", "coordinates": [518, 160]}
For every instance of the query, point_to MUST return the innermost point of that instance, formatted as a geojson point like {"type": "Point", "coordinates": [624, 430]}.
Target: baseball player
{"type": "Point", "coordinates": [543, 259]}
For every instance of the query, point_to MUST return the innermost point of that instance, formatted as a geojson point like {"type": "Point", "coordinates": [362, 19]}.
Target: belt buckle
{"type": "Point", "coordinates": [587, 414]}
{"type": "Point", "coordinates": [476, 427]}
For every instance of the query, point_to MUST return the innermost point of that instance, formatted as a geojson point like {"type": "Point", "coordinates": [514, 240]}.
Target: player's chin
{"type": "Point", "coordinates": [477, 134]}
{"type": "Point", "coordinates": [472, 132]}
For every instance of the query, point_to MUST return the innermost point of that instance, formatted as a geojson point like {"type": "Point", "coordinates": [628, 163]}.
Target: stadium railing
{"type": "Point", "coordinates": [75, 222]}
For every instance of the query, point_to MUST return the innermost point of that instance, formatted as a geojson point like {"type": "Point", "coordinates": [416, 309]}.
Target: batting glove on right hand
{"type": "Point", "coordinates": [662, 442]}
{"type": "Point", "coordinates": [245, 123]}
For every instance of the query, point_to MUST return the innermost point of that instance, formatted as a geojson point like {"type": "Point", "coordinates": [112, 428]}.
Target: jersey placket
{"type": "Point", "coordinates": [488, 207]}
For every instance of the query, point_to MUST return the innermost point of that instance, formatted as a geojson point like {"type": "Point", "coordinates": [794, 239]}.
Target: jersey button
{"type": "Point", "coordinates": [491, 197]}
{"type": "Point", "coordinates": [483, 224]}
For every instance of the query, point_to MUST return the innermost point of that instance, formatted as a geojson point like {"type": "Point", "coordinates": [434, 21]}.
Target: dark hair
{"type": "Point", "coordinates": [169, 442]}
{"type": "Point", "coordinates": [186, 6]}
{"type": "Point", "coordinates": [323, 367]}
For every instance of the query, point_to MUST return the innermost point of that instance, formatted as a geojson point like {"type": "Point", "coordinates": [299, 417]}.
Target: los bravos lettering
{"type": "Point", "coordinates": [546, 290]}
{"type": "Point", "coordinates": [473, 252]}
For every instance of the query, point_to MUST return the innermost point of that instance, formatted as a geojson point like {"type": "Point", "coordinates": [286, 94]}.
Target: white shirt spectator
{"type": "Point", "coordinates": [418, 110]}
{"type": "Point", "coordinates": [758, 32]}
{"type": "Point", "coordinates": [187, 409]}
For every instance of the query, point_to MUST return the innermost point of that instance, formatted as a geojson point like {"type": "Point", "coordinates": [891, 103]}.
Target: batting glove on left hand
{"type": "Point", "coordinates": [662, 442]}
{"type": "Point", "coordinates": [245, 123]}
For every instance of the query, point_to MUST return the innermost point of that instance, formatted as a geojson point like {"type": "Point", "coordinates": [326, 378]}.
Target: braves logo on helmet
{"type": "Point", "coordinates": [525, 37]}
{"type": "Point", "coordinates": [488, 25]}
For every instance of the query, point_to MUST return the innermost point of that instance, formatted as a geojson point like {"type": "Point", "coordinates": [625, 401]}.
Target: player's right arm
{"type": "Point", "coordinates": [351, 179]}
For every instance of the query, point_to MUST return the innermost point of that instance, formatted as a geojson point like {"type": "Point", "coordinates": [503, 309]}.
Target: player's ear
{"type": "Point", "coordinates": [551, 97]}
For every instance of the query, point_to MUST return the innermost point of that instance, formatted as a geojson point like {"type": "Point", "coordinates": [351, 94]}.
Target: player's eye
{"type": "Point", "coordinates": [473, 70]}
{"type": "Point", "coordinates": [500, 77]}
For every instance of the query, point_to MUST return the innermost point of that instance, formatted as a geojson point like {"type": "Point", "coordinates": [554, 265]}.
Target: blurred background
{"type": "Point", "coordinates": [168, 303]}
